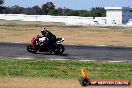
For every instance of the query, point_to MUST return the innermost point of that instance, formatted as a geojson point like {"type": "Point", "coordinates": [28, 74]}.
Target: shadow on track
{"type": "Point", "coordinates": [52, 54]}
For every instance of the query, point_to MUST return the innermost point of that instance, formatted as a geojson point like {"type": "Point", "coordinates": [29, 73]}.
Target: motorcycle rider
{"type": "Point", "coordinates": [48, 37]}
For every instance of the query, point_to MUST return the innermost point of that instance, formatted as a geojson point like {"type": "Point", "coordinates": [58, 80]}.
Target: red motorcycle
{"type": "Point", "coordinates": [56, 48]}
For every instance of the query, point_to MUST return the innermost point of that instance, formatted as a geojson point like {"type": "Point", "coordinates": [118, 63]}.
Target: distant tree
{"type": "Point", "coordinates": [36, 10]}
{"type": "Point", "coordinates": [73, 13]}
{"type": "Point", "coordinates": [65, 11]}
{"type": "Point", "coordinates": [60, 11]}
{"type": "Point", "coordinates": [1, 7]}
{"type": "Point", "coordinates": [97, 12]}
{"type": "Point", "coordinates": [47, 7]}
{"type": "Point", "coordinates": [28, 11]}
{"type": "Point", "coordinates": [5, 10]}
{"type": "Point", "coordinates": [1, 2]}
{"type": "Point", "coordinates": [16, 10]}
{"type": "Point", "coordinates": [54, 12]}
{"type": "Point", "coordinates": [44, 9]}
{"type": "Point", "coordinates": [84, 13]}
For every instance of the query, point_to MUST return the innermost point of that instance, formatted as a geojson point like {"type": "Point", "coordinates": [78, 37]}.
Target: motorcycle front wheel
{"type": "Point", "coordinates": [31, 50]}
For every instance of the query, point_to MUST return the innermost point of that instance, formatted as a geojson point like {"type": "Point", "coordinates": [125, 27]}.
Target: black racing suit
{"type": "Point", "coordinates": [51, 39]}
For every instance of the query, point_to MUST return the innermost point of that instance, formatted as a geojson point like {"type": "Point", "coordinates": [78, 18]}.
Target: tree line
{"type": "Point", "coordinates": [50, 9]}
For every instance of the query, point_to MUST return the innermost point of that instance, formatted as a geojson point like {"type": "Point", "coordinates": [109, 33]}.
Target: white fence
{"type": "Point", "coordinates": [68, 20]}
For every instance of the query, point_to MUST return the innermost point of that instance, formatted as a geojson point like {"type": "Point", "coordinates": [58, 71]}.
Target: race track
{"type": "Point", "coordinates": [107, 53]}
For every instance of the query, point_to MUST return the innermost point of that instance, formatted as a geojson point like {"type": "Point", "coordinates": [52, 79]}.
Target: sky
{"type": "Point", "coordinates": [71, 4]}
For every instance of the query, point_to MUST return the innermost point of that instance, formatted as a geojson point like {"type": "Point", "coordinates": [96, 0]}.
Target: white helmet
{"type": "Point", "coordinates": [43, 30]}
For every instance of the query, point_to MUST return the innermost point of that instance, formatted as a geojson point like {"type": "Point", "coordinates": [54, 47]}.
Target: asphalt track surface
{"type": "Point", "coordinates": [107, 53]}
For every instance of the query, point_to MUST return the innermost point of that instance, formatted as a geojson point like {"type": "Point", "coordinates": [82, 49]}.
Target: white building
{"type": "Point", "coordinates": [118, 15]}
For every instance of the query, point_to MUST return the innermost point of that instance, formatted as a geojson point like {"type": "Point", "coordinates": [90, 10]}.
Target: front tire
{"type": "Point", "coordinates": [31, 50]}
{"type": "Point", "coordinates": [58, 49]}
{"type": "Point", "coordinates": [84, 81]}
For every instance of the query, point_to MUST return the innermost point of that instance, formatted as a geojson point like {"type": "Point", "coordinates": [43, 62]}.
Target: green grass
{"type": "Point", "coordinates": [20, 25]}
{"type": "Point", "coordinates": [64, 69]}
{"type": "Point", "coordinates": [30, 25]}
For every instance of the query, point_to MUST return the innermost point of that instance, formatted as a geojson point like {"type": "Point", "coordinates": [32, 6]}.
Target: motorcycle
{"type": "Point", "coordinates": [56, 48]}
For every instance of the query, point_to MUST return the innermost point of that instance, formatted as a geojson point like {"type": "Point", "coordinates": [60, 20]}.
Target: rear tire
{"type": "Point", "coordinates": [31, 50]}
{"type": "Point", "coordinates": [58, 49]}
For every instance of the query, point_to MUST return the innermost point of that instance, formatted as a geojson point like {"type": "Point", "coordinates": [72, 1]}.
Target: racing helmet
{"type": "Point", "coordinates": [43, 31]}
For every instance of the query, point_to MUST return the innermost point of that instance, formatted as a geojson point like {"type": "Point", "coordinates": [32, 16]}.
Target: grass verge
{"type": "Point", "coordinates": [64, 69]}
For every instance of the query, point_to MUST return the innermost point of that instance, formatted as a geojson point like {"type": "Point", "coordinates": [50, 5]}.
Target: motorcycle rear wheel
{"type": "Point", "coordinates": [58, 49]}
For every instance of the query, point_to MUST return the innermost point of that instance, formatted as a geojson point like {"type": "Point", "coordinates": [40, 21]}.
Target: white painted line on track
{"type": "Point", "coordinates": [87, 60]}
{"type": "Point", "coordinates": [111, 46]}
{"type": "Point", "coordinates": [59, 59]}
{"type": "Point", "coordinates": [117, 61]}
{"type": "Point", "coordinates": [21, 58]}
{"type": "Point", "coordinates": [17, 42]}
{"type": "Point", "coordinates": [99, 45]}
{"type": "Point", "coordinates": [29, 58]}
